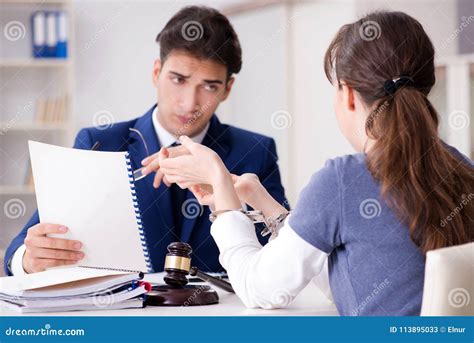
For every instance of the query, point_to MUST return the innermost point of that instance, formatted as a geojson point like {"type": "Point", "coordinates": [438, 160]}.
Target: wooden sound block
{"type": "Point", "coordinates": [190, 295]}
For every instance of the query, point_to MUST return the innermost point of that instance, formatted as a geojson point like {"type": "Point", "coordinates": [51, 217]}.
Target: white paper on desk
{"type": "Point", "coordinates": [89, 192]}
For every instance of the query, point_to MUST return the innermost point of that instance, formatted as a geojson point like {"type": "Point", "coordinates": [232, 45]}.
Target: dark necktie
{"type": "Point", "coordinates": [178, 197]}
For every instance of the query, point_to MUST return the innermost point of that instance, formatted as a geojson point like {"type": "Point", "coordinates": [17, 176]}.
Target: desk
{"type": "Point", "coordinates": [310, 302]}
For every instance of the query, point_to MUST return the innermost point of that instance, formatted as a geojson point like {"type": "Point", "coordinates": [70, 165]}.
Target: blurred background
{"type": "Point", "coordinates": [99, 72]}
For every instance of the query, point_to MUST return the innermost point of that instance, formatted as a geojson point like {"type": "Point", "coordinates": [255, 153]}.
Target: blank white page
{"type": "Point", "coordinates": [89, 192]}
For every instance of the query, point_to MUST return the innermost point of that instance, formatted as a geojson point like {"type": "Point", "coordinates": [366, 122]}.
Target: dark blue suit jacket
{"type": "Point", "coordinates": [242, 152]}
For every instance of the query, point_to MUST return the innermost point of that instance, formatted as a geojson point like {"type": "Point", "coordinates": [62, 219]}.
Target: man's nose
{"type": "Point", "coordinates": [189, 102]}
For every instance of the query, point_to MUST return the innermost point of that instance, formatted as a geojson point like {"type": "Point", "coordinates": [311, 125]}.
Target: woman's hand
{"type": "Point", "coordinates": [204, 195]}
{"type": "Point", "coordinates": [247, 186]}
{"type": "Point", "coordinates": [253, 193]}
{"type": "Point", "coordinates": [152, 163]}
{"type": "Point", "coordinates": [202, 166]}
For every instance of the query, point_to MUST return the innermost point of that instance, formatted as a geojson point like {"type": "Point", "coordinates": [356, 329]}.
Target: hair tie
{"type": "Point", "coordinates": [391, 86]}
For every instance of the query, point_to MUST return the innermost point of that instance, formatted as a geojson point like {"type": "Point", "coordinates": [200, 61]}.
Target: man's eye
{"type": "Point", "coordinates": [210, 88]}
{"type": "Point", "coordinates": [177, 80]}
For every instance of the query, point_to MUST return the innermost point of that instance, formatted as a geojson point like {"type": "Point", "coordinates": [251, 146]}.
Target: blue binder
{"type": "Point", "coordinates": [51, 34]}
{"type": "Point", "coordinates": [38, 25]}
{"type": "Point", "coordinates": [61, 21]}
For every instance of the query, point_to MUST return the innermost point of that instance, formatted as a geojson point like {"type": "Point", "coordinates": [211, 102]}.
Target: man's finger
{"type": "Point", "coordinates": [43, 229]}
{"type": "Point", "coordinates": [152, 163]}
{"type": "Point", "coordinates": [52, 243]}
{"type": "Point", "coordinates": [152, 166]}
{"type": "Point", "coordinates": [150, 158]}
{"type": "Point", "coordinates": [56, 254]}
{"type": "Point", "coordinates": [166, 182]}
{"type": "Point", "coordinates": [164, 154]}
{"type": "Point", "coordinates": [158, 177]}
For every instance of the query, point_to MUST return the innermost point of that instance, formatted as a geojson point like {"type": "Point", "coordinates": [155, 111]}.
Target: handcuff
{"type": "Point", "coordinates": [272, 224]}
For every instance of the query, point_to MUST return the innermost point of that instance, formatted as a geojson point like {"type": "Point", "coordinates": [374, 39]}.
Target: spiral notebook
{"type": "Point", "coordinates": [93, 194]}
{"type": "Point", "coordinates": [72, 289]}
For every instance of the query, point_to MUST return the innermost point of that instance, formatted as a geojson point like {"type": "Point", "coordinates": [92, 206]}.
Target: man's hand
{"type": "Point", "coordinates": [152, 163]}
{"type": "Point", "coordinates": [44, 252]}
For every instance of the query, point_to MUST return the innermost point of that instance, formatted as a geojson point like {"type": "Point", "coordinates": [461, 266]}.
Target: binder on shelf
{"type": "Point", "coordinates": [61, 49]}
{"type": "Point", "coordinates": [38, 24]}
{"type": "Point", "coordinates": [51, 34]}
{"type": "Point", "coordinates": [40, 110]}
{"type": "Point", "coordinates": [51, 110]}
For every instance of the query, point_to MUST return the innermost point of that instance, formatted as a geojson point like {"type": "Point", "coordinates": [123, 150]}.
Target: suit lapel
{"type": "Point", "coordinates": [216, 139]}
{"type": "Point", "coordinates": [155, 204]}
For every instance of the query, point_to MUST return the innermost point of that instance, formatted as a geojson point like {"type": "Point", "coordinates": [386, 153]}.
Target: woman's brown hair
{"type": "Point", "coordinates": [421, 179]}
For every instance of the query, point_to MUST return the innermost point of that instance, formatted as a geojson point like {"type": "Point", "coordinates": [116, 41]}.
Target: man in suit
{"type": "Point", "coordinates": [199, 54]}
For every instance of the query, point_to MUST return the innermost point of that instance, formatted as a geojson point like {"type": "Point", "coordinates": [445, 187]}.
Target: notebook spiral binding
{"type": "Point", "coordinates": [117, 269]}
{"type": "Point", "coordinates": [138, 213]}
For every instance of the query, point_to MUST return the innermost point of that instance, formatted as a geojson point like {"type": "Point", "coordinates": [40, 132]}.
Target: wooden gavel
{"type": "Point", "coordinates": [178, 266]}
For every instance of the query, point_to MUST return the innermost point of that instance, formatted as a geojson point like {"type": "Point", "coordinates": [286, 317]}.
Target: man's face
{"type": "Point", "coordinates": [189, 91]}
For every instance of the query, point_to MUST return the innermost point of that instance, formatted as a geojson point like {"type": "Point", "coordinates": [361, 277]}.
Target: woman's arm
{"type": "Point", "coordinates": [269, 276]}
{"type": "Point", "coordinates": [253, 193]}
{"type": "Point", "coordinates": [247, 186]}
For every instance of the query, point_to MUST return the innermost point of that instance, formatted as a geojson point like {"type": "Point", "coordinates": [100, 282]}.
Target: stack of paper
{"type": "Point", "coordinates": [70, 289]}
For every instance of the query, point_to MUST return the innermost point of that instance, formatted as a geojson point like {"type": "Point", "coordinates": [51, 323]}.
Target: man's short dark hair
{"type": "Point", "coordinates": [204, 33]}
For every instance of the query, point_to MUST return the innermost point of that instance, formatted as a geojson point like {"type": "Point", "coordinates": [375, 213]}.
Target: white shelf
{"type": "Point", "coordinates": [448, 60]}
{"type": "Point", "coordinates": [35, 63]}
{"type": "Point", "coordinates": [34, 126]}
{"type": "Point", "coordinates": [38, 2]}
{"type": "Point", "coordinates": [17, 190]}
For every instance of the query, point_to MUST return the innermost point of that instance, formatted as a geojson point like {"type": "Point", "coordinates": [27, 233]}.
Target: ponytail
{"type": "Point", "coordinates": [425, 182]}
{"type": "Point", "coordinates": [419, 176]}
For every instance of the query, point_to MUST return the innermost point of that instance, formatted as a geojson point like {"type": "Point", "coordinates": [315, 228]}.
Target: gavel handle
{"type": "Point", "coordinates": [226, 286]}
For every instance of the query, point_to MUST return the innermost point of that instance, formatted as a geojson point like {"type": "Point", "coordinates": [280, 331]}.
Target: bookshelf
{"type": "Point", "coordinates": [36, 103]}
{"type": "Point", "coordinates": [33, 63]}
{"type": "Point", "coordinates": [453, 97]}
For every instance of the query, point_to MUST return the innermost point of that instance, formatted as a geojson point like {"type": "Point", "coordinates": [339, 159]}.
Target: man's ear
{"type": "Point", "coordinates": [348, 96]}
{"type": "Point", "coordinates": [228, 88]}
{"type": "Point", "coordinates": [156, 71]}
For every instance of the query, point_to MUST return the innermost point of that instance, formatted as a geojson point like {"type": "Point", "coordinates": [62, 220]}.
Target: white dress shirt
{"type": "Point", "coordinates": [270, 276]}
{"type": "Point", "coordinates": [166, 139]}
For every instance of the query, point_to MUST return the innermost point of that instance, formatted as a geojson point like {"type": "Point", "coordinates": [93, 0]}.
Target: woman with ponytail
{"type": "Point", "coordinates": [373, 215]}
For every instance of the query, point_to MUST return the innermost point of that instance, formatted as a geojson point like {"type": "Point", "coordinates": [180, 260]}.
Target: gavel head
{"type": "Point", "coordinates": [177, 264]}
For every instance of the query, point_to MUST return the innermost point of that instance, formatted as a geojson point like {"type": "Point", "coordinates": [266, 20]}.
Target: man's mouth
{"type": "Point", "coordinates": [185, 119]}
